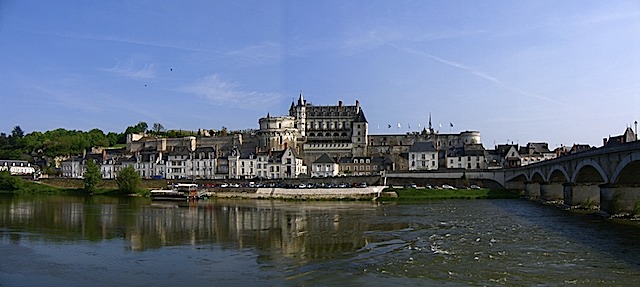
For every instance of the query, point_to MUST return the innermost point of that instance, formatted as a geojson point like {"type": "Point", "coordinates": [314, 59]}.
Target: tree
{"type": "Point", "coordinates": [91, 176]}
{"type": "Point", "coordinates": [128, 180]}
{"type": "Point", "coordinates": [17, 132]}
{"type": "Point", "coordinates": [8, 182]}
{"type": "Point", "coordinates": [158, 128]}
{"type": "Point", "coordinates": [141, 127]}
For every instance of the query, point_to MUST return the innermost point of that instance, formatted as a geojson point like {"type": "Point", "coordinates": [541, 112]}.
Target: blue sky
{"type": "Point", "coordinates": [561, 72]}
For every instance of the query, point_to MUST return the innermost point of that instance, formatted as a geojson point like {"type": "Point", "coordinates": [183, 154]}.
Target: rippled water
{"type": "Point", "coordinates": [69, 241]}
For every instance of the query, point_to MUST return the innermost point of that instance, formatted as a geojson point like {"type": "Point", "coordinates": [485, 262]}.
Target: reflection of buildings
{"type": "Point", "coordinates": [304, 230]}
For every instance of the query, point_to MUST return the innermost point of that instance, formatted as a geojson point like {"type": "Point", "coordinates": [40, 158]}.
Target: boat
{"type": "Point", "coordinates": [180, 191]}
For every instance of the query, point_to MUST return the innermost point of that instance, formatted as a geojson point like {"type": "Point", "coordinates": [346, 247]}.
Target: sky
{"type": "Point", "coordinates": [561, 72]}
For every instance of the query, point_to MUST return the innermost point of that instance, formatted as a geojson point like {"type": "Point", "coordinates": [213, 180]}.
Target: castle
{"type": "Point", "coordinates": [314, 130]}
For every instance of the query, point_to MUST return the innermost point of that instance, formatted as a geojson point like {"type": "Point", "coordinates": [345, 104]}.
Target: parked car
{"type": "Point", "coordinates": [446, 186]}
{"type": "Point", "coordinates": [473, 186]}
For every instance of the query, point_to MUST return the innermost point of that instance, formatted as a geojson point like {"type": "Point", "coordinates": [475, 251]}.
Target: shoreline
{"type": "Point", "coordinates": [355, 193]}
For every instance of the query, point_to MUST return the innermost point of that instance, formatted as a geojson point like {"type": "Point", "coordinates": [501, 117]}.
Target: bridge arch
{"type": "Point", "coordinates": [537, 177]}
{"type": "Point", "coordinates": [520, 176]}
{"type": "Point", "coordinates": [589, 171]}
{"type": "Point", "coordinates": [558, 175]}
{"type": "Point", "coordinates": [627, 171]}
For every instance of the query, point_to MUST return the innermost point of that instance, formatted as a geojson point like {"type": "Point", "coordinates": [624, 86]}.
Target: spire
{"type": "Point", "coordinates": [301, 100]}
{"type": "Point", "coordinates": [430, 128]}
{"type": "Point", "coordinates": [268, 115]}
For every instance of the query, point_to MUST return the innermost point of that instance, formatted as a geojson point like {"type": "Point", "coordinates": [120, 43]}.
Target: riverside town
{"type": "Point", "coordinates": [316, 146]}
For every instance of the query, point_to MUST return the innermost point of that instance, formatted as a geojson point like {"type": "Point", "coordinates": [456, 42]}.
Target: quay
{"type": "Point", "coordinates": [352, 193]}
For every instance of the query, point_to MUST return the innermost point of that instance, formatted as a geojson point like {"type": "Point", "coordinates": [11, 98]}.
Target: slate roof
{"type": "Point", "coordinates": [422, 147]}
{"type": "Point", "coordinates": [325, 158]}
{"type": "Point", "coordinates": [360, 118]}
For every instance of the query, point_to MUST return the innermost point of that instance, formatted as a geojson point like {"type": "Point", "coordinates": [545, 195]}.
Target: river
{"type": "Point", "coordinates": [102, 241]}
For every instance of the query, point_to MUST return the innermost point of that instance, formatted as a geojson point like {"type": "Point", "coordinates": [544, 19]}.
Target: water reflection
{"type": "Point", "coordinates": [289, 228]}
{"type": "Point", "coordinates": [457, 242]}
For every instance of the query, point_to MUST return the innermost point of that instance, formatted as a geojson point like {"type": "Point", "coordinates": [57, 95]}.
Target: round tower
{"type": "Point", "coordinates": [470, 137]}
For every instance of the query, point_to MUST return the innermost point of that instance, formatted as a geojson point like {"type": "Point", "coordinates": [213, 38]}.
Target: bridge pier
{"type": "Point", "coordinates": [515, 185]}
{"type": "Point", "coordinates": [617, 199]}
{"type": "Point", "coordinates": [551, 191]}
{"type": "Point", "coordinates": [582, 195]}
{"type": "Point", "coordinates": [532, 190]}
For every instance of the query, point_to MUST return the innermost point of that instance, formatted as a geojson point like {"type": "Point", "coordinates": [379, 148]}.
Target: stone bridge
{"type": "Point", "coordinates": [607, 177]}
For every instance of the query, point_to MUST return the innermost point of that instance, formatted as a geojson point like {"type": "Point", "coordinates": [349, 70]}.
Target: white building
{"type": "Point", "coordinates": [423, 156]}
{"type": "Point", "coordinates": [469, 157]}
{"type": "Point", "coordinates": [325, 166]}
{"type": "Point", "coordinates": [242, 166]}
{"type": "Point", "coordinates": [73, 167]}
{"type": "Point", "coordinates": [279, 164]}
{"type": "Point", "coordinates": [17, 167]}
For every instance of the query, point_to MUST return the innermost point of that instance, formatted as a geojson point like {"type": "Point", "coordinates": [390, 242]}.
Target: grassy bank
{"type": "Point", "coordinates": [21, 186]}
{"type": "Point", "coordinates": [413, 194]}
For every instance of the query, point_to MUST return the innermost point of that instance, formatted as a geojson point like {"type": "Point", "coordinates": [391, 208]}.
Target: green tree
{"type": "Point", "coordinates": [8, 182]}
{"type": "Point", "coordinates": [17, 132]}
{"type": "Point", "coordinates": [141, 127]}
{"type": "Point", "coordinates": [128, 180]}
{"type": "Point", "coordinates": [91, 176]}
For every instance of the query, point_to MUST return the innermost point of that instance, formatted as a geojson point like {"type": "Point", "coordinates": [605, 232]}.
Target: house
{"type": "Point", "coordinates": [324, 166]}
{"type": "Point", "coordinates": [178, 165]}
{"type": "Point", "coordinates": [628, 136]}
{"type": "Point", "coordinates": [269, 165]}
{"type": "Point", "coordinates": [242, 164]}
{"type": "Point", "coordinates": [423, 156]}
{"type": "Point", "coordinates": [17, 167]}
{"type": "Point", "coordinates": [73, 167]}
{"type": "Point", "coordinates": [535, 152]}
{"type": "Point", "coordinates": [364, 165]}
{"type": "Point", "coordinates": [204, 162]}
{"type": "Point", "coordinates": [508, 155]}
{"type": "Point", "coordinates": [469, 157]}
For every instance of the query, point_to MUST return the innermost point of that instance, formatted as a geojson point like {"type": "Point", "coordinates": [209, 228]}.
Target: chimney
{"type": "Point", "coordinates": [340, 104]}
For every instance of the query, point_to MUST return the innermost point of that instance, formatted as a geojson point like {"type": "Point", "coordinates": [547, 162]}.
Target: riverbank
{"type": "Point", "coordinates": [378, 193]}
{"type": "Point", "coordinates": [359, 193]}
{"type": "Point", "coordinates": [418, 194]}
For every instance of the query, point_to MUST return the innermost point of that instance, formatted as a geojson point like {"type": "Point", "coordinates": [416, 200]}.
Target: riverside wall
{"type": "Point", "coordinates": [355, 193]}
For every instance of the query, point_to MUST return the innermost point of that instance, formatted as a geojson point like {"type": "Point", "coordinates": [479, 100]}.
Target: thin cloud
{"type": "Point", "coordinates": [133, 70]}
{"type": "Point", "coordinates": [263, 53]}
{"type": "Point", "coordinates": [127, 40]}
{"type": "Point", "coordinates": [492, 79]}
{"type": "Point", "coordinates": [226, 93]}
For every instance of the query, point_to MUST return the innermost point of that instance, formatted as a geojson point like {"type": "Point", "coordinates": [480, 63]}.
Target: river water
{"type": "Point", "coordinates": [101, 241]}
